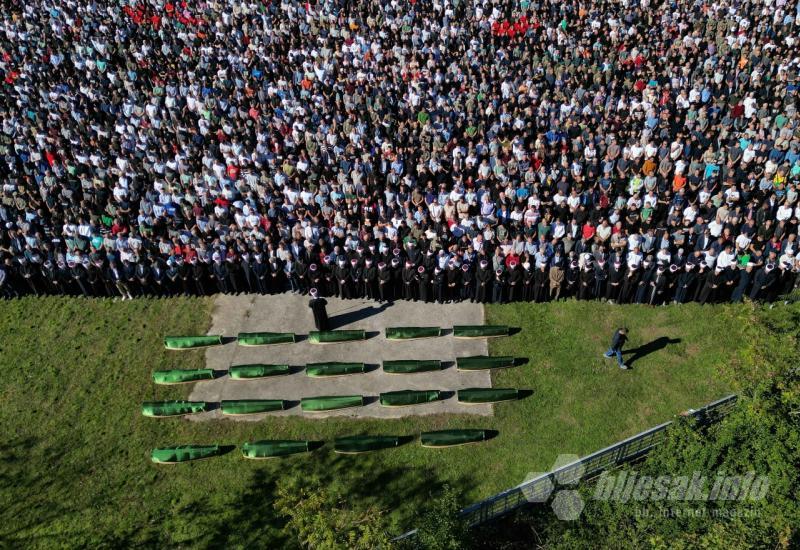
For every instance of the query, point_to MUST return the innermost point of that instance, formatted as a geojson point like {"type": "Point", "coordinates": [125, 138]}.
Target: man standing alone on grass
{"type": "Point", "coordinates": [317, 306]}
{"type": "Point", "coordinates": [617, 341]}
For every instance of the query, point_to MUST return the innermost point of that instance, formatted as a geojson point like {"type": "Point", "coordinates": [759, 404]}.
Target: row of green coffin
{"type": "Point", "coordinates": [400, 398]}
{"type": "Point", "coordinates": [331, 336]}
{"type": "Point", "coordinates": [348, 445]}
{"type": "Point", "coordinates": [315, 370]}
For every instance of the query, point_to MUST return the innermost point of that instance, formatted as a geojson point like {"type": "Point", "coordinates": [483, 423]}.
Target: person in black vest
{"type": "Point", "coordinates": [617, 342]}
{"type": "Point", "coordinates": [317, 305]}
{"type": "Point", "coordinates": [712, 286]}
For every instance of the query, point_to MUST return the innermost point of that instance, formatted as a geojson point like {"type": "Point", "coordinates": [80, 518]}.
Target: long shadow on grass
{"type": "Point", "coordinates": [648, 348]}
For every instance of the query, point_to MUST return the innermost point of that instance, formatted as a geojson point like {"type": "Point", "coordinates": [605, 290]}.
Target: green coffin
{"type": "Point", "coordinates": [184, 453]}
{"type": "Point", "coordinates": [333, 369]}
{"type": "Point", "coordinates": [273, 448]}
{"type": "Point", "coordinates": [447, 438]}
{"type": "Point", "coordinates": [251, 406]}
{"type": "Point", "coordinates": [191, 342]}
{"type": "Point", "coordinates": [408, 397]}
{"type": "Point", "coordinates": [182, 376]}
{"type": "Point", "coordinates": [330, 402]}
{"type": "Point", "coordinates": [364, 443]}
{"type": "Point", "coordinates": [411, 366]}
{"type": "Point", "coordinates": [479, 331]}
{"type": "Point", "coordinates": [482, 362]}
{"type": "Point", "coordinates": [487, 395]}
{"type": "Point", "coordinates": [409, 333]}
{"type": "Point", "coordinates": [331, 336]}
{"type": "Point", "coordinates": [265, 338]}
{"type": "Point", "coordinates": [172, 408]}
{"type": "Point", "coordinates": [244, 372]}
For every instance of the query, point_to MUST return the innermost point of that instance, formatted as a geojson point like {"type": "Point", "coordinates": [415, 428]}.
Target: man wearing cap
{"type": "Point", "coordinates": [499, 284]}
{"type": "Point", "coordinates": [453, 281]}
{"type": "Point", "coordinates": [745, 276]}
{"type": "Point", "coordinates": [514, 281]}
{"type": "Point", "coordinates": [586, 280]}
{"type": "Point", "coordinates": [369, 276]}
{"type": "Point", "coordinates": [384, 282]}
{"type": "Point", "coordinates": [467, 283]}
{"type": "Point", "coordinates": [483, 278]}
{"type": "Point", "coordinates": [438, 284]}
{"type": "Point", "coordinates": [356, 280]}
{"type": "Point", "coordinates": [423, 281]}
{"type": "Point", "coordinates": [616, 274]}
{"type": "Point", "coordinates": [341, 274]}
{"type": "Point", "coordinates": [409, 276]}
{"type": "Point", "coordinates": [317, 305]}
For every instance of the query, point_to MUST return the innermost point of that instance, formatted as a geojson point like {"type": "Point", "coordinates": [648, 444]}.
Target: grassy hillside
{"type": "Point", "coordinates": [74, 461]}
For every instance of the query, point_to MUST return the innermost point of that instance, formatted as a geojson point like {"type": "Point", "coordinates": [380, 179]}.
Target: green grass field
{"type": "Point", "coordinates": [74, 459]}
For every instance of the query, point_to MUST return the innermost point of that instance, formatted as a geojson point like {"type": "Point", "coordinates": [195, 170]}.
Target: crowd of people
{"type": "Point", "coordinates": [628, 150]}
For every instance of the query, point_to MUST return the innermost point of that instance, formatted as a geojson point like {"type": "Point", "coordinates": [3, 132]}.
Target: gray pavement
{"type": "Point", "coordinates": [290, 313]}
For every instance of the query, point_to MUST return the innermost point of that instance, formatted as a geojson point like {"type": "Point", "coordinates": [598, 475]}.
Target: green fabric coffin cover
{"type": "Point", "coordinates": [408, 333]}
{"type": "Point", "coordinates": [408, 397]}
{"type": "Point", "coordinates": [487, 395]}
{"type": "Point", "coordinates": [329, 336]}
{"type": "Point", "coordinates": [172, 408]}
{"type": "Point", "coordinates": [364, 443]}
{"type": "Point", "coordinates": [446, 438]}
{"type": "Point", "coordinates": [272, 448]}
{"type": "Point", "coordinates": [183, 453]}
{"type": "Point", "coordinates": [330, 402]}
{"type": "Point", "coordinates": [265, 338]}
{"type": "Point", "coordinates": [251, 406]}
{"type": "Point", "coordinates": [411, 366]}
{"type": "Point", "coordinates": [482, 362]}
{"type": "Point", "coordinates": [479, 331]}
{"type": "Point", "coordinates": [190, 342]}
{"type": "Point", "coordinates": [181, 376]}
{"type": "Point", "coordinates": [333, 369]}
{"type": "Point", "coordinates": [243, 372]}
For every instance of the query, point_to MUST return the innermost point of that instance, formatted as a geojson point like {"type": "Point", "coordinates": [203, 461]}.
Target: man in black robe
{"type": "Point", "coordinates": [317, 306]}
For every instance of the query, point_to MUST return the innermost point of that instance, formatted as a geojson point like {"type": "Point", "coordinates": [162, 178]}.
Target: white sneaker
{"type": "Point", "coordinates": [624, 367]}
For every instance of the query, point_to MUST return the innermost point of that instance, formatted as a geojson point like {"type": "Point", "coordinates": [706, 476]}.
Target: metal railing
{"type": "Point", "coordinates": [539, 488]}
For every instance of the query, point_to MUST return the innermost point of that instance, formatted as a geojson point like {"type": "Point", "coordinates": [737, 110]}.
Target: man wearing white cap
{"type": "Point", "coordinates": [317, 305]}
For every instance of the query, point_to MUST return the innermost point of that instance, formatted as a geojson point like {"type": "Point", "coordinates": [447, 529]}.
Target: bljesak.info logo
{"type": "Point", "coordinates": [568, 503]}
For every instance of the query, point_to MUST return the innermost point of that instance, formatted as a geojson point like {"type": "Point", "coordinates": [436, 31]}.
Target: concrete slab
{"type": "Point", "coordinates": [290, 313]}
